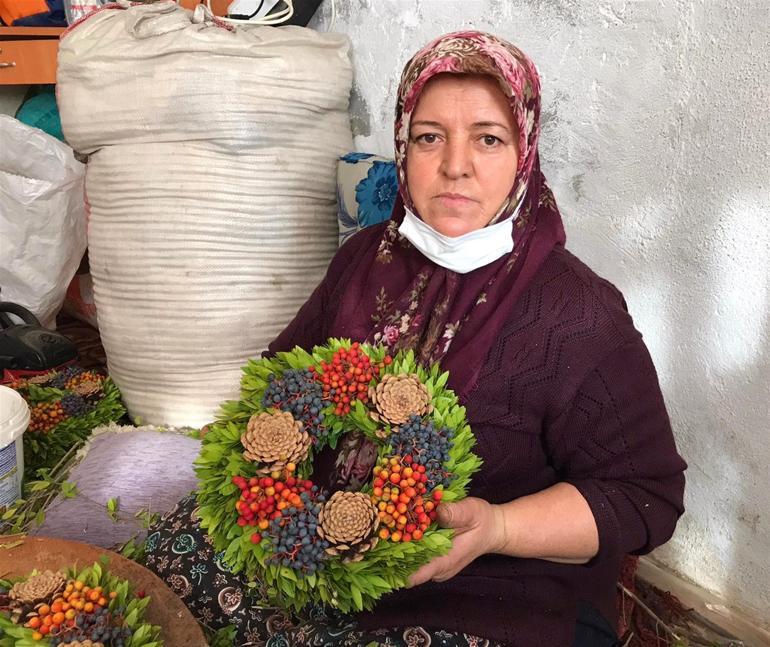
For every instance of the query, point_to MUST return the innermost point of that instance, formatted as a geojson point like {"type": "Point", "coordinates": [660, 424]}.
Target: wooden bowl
{"type": "Point", "coordinates": [20, 555]}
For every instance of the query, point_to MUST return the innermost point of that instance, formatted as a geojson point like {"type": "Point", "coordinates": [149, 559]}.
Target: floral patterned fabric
{"type": "Point", "coordinates": [181, 554]}
{"type": "Point", "coordinates": [366, 191]}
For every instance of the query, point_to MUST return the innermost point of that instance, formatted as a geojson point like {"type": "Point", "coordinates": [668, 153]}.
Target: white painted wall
{"type": "Point", "coordinates": [655, 140]}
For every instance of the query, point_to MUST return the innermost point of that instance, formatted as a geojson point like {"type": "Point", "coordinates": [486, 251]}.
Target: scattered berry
{"type": "Point", "coordinates": [399, 490]}
{"type": "Point", "coordinates": [264, 498]}
{"type": "Point", "coordinates": [296, 543]}
{"type": "Point", "coordinates": [60, 380]}
{"type": "Point", "coordinates": [346, 378]}
{"type": "Point", "coordinates": [74, 405]}
{"type": "Point", "coordinates": [425, 445]}
{"type": "Point", "coordinates": [301, 395]}
{"type": "Point", "coordinates": [44, 416]}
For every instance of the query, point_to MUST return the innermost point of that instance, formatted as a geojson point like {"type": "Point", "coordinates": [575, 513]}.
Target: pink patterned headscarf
{"type": "Point", "coordinates": [394, 294]}
{"type": "Point", "coordinates": [473, 52]}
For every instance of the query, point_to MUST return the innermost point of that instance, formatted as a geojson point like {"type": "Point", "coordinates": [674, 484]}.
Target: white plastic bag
{"type": "Point", "coordinates": [42, 218]}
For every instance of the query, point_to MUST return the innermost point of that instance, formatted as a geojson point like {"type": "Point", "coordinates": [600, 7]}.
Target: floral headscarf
{"type": "Point", "coordinates": [474, 52]}
{"type": "Point", "coordinates": [394, 294]}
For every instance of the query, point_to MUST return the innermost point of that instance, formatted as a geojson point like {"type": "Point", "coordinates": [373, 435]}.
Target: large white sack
{"type": "Point", "coordinates": [42, 218]}
{"type": "Point", "coordinates": [211, 185]}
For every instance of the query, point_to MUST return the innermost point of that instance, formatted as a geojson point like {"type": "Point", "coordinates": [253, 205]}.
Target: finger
{"type": "Point", "coordinates": [446, 568]}
{"type": "Point", "coordinates": [454, 515]}
{"type": "Point", "coordinates": [445, 575]}
{"type": "Point", "coordinates": [431, 570]}
{"type": "Point", "coordinates": [421, 575]}
{"type": "Point", "coordinates": [444, 515]}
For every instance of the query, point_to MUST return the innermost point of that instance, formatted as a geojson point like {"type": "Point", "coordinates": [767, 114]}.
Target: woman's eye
{"type": "Point", "coordinates": [490, 140]}
{"type": "Point", "coordinates": [427, 138]}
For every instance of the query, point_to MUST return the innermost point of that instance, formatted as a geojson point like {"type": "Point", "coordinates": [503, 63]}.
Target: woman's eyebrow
{"type": "Point", "coordinates": [422, 122]}
{"type": "Point", "coordinates": [478, 124]}
{"type": "Point", "coordinates": [491, 124]}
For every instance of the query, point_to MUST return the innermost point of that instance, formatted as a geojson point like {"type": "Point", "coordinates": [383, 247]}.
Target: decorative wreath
{"type": "Point", "coordinates": [90, 608]}
{"type": "Point", "coordinates": [65, 406]}
{"type": "Point", "coordinates": [259, 504]}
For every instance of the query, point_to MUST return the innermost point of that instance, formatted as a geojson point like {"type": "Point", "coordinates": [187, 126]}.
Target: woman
{"type": "Point", "coordinates": [580, 466]}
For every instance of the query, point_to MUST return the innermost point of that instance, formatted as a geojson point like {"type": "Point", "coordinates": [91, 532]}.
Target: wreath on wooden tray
{"type": "Point", "coordinates": [86, 608]}
{"type": "Point", "coordinates": [65, 406]}
{"type": "Point", "coordinates": [259, 504]}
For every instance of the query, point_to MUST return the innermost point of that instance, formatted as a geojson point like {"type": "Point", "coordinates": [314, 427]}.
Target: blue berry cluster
{"type": "Point", "coordinates": [299, 393]}
{"type": "Point", "coordinates": [97, 627]}
{"type": "Point", "coordinates": [426, 445]}
{"type": "Point", "coordinates": [74, 405]}
{"type": "Point", "coordinates": [62, 377]}
{"type": "Point", "coordinates": [295, 540]}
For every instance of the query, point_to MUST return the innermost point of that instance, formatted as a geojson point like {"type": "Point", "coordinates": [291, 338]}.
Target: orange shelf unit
{"type": "Point", "coordinates": [219, 7]}
{"type": "Point", "coordinates": [28, 55]}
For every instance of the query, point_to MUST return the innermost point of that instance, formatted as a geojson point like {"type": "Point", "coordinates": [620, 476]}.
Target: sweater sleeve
{"type": "Point", "coordinates": [615, 445]}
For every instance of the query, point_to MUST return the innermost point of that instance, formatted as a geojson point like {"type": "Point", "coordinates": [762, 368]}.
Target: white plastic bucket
{"type": "Point", "coordinates": [14, 420]}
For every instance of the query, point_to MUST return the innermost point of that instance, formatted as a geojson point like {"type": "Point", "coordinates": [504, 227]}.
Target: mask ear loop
{"type": "Point", "coordinates": [275, 18]}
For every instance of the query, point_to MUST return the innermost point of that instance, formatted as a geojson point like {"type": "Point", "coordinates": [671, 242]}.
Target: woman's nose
{"type": "Point", "coordinates": [457, 161]}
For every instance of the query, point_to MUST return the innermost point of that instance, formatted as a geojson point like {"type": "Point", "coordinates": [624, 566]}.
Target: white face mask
{"type": "Point", "coordinates": [464, 253]}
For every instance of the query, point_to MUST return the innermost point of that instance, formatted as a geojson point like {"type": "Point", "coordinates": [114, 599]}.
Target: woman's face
{"type": "Point", "coordinates": [463, 153]}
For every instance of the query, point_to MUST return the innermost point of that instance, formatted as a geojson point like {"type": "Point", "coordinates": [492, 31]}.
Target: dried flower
{"type": "Point", "coordinates": [276, 439]}
{"type": "Point", "coordinates": [38, 587]}
{"type": "Point", "coordinates": [87, 388]}
{"type": "Point", "coordinates": [397, 397]}
{"type": "Point", "coordinates": [348, 521]}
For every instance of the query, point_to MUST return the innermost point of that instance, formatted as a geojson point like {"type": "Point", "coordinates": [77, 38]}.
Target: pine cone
{"type": "Point", "coordinates": [397, 397]}
{"type": "Point", "coordinates": [38, 587]}
{"type": "Point", "coordinates": [348, 521]}
{"type": "Point", "coordinates": [275, 438]}
{"type": "Point", "coordinates": [39, 380]}
{"type": "Point", "coordinates": [87, 388]}
{"type": "Point", "coordinates": [20, 612]}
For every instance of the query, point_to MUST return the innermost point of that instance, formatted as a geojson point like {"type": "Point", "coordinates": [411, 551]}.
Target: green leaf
{"type": "Point", "coordinates": [38, 486]}
{"type": "Point", "coordinates": [131, 617]}
{"type": "Point", "coordinates": [357, 600]}
{"type": "Point", "coordinates": [113, 505]}
{"type": "Point", "coordinates": [69, 490]}
{"type": "Point", "coordinates": [289, 573]}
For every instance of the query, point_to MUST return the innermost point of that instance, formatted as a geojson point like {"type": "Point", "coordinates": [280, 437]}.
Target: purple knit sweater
{"type": "Point", "coordinates": [568, 393]}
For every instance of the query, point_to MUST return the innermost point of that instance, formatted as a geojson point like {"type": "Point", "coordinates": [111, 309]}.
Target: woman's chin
{"type": "Point", "coordinates": [452, 226]}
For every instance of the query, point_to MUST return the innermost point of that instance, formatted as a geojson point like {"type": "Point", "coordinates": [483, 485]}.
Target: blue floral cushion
{"type": "Point", "coordinates": [366, 191]}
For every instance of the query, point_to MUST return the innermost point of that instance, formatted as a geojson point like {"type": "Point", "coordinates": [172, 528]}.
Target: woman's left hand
{"type": "Point", "coordinates": [479, 529]}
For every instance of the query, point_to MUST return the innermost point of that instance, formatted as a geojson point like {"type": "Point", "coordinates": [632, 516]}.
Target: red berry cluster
{"type": "Point", "coordinates": [346, 378]}
{"type": "Point", "coordinates": [263, 499]}
{"type": "Point", "coordinates": [85, 376]}
{"type": "Point", "coordinates": [399, 492]}
{"type": "Point", "coordinates": [44, 416]}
